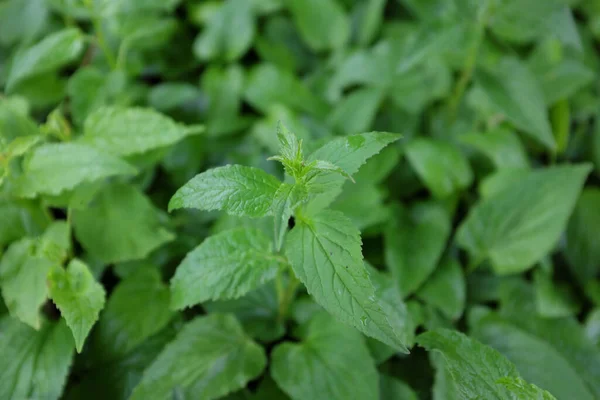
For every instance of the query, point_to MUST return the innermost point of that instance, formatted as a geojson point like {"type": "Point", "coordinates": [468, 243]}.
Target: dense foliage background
{"type": "Point", "coordinates": [483, 218]}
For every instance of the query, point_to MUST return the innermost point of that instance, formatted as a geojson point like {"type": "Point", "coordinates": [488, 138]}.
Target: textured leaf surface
{"type": "Point", "coordinates": [122, 327]}
{"type": "Point", "coordinates": [475, 367]}
{"type": "Point", "coordinates": [78, 297]}
{"type": "Point", "coordinates": [441, 166]}
{"type": "Point", "coordinates": [225, 266]}
{"type": "Point", "coordinates": [53, 52]}
{"type": "Point", "coordinates": [210, 357]}
{"type": "Point", "coordinates": [524, 390]}
{"type": "Point", "coordinates": [239, 190]}
{"type": "Point", "coordinates": [323, 366]}
{"type": "Point", "coordinates": [536, 359]}
{"type": "Point", "coordinates": [34, 364]}
{"type": "Point", "coordinates": [349, 153]}
{"type": "Point", "coordinates": [56, 167]}
{"type": "Point", "coordinates": [285, 200]}
{"type": "Point", "coordinates": [127, 131]}
{"type": "Point", "coordinates": [565, 335]}
{"type": "Point", "coordinates": [325, 253]}
{"type": "Point", "coordinates": [521, 223]}
{"type": "Point", "coordinates": [121, 224]}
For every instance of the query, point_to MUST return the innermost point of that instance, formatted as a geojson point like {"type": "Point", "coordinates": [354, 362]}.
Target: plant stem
{"type": "Point", "coordinates": [470, 62]}
{"type": "Point", "coordinates": [100, 39]}
{"type": "Point", "coordinates": [287, 296]}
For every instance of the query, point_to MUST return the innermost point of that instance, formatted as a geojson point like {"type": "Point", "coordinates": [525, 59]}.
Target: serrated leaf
{"type": "Point", "coordinates": [135, 130]}
{"type": "Point", "coordinates": [514, 91]}
{"type": "Point", "coordinates": [290, 147]}
{"type": "Point", "coordinates": [564, 335]}
{"type": "Point", "coordinates": [583, 231]}
{"type": "Point", "coordinates": [524, 390]}
{"type": "Point", "coordinates": [475, 368]}
{"type": "Point", "coordinates": [537, 360]}
{"type": "Point", "coordinates": [34, 364]}
{"type": "Point", "coordinates": [325, 253]}
{"type": "Point", "coordinates": [53, 52]}
{"type": "Point", "coordinates": [122, 327]}
{"type": "Point", "coordinates": [55, 167]}
{"type": "Point", "coordinates": [120, 224]}
{"type": "Point", "coordinates": [321, 367]}
{"type": "Point", "coordinates": [349, 153]}
{"type": "Point", "coordinates": [23, 281]}
{"type": "Point", "coordinates": [236, 189]}
{"type": "Point", "coordinates": [78, 297]}
{"type": "Point", "coordinates": [210, 357]}
{"type": "Point", "coordinates": [414, 243]}
{"type": "Point", "coordinates": [225, 266]}
{"type": "Point", "coordinates": [285, 200]}
{"type": "Point", "coordinates": [441, 166]}
{"type": "Point", "coordinates": [521, 222]}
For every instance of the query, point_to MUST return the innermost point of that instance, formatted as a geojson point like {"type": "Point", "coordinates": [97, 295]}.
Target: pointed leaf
{"type": "Point", "coordinates": [239, 190]}
{"type": "Point", "coordinates": [225, 266]}
{"type": "Point", "coordinates": [210, 357]}
{"type": "Point", "coordinates": [325, 253]}
{"type": "Point", "coordinates": [127, 131]}
{"type": "Point", "coordinates": [78, 297]}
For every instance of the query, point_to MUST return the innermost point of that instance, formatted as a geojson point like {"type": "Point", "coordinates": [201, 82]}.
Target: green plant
{"type": "Point", "coordinates": [153, 247]}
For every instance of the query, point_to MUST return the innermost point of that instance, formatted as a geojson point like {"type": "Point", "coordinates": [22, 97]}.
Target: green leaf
{"type": "Point", "coordinates": [285, 201]}
{"type": "Point", "coordinates": [90, 89]}
{"type": "Point", "coordinates": [269, 85]}
{"type": "Point", "coordinates": [414, 243]}
{"type": "Point", "coordinates": [258, 312]}
{"type": "Point", "coordinates": [349, 153]}
{"type": "Point", "coordinates": [225, 266]}
{"type": "Point", "coordinates": [565, 336]}
{"type": "Point", "coordinates": [325, 253]}
{"type": "Point", "coordinates": [446, 289]}
{"type": "Point", "coordinates": [55, 167]}
{"type": "Point", "coordinates": [501, 146]}
{"type": "Point", "coordinates": [441, 166]}
{"type": "Point", "coordinates": [219, 41]}
{"type": "Point", "coordinates": [524, 390]}
{"type": "Point", "coordinates": [127, 131]}
{"type": "Point", "coordinates": [53, 52]}
{"type": "Point", "coordinates": [356, 112]}
{"type": "Point", "coordinates": [34, 364]}
{"type": "Point", "coordinates": [394, 389]}
{"type": "Point", "coordinates": [19, 146]}
{"type": "Point", "coordinates": [321, 367]}
{"type": "Point", "coordinates": [583, 231]}
{"type": "Point", "coordinates": [322, 23]}
{"type": "Point", "coordinates": [515, 92]}
{"type": "Point", "coordinates": [290, 147]}
{"type": "Point", "coordinates": [474, 367]}
{"type": "Point", "coordinates": [23, 281]}
{"type": "Point", "coordinates": [121, 224]}
{"type": "Point", "coordinates": [553, 299]}
{"type": "Point", "coordinates": [239, 190]}
{"type": "Point", "coordinates": [224, 88]}
{"type": "Point", "coordinates": [537, 360]}
{"type": "Point", "coordinates": [592, 326]}
{"type": "Point", "coordinates": [518, 225]}
{"type": "Point", "coordinates": [122, 326]}
{"type": "Point", "coordinates": [20, 219]}
{"type": "Point", "coordinates": [78, 297]}
{"type": "Point", "coordinates": [210, 357]}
